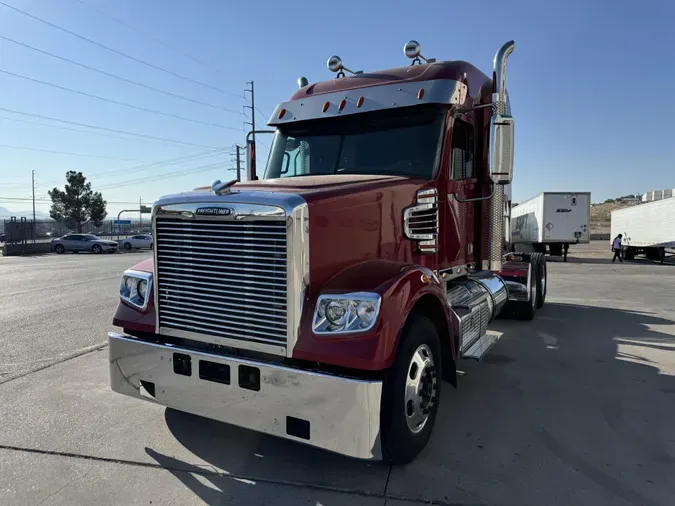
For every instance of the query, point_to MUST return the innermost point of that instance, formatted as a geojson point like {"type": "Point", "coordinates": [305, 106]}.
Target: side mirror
{"type": "Point", "coordinates": [501, 148]}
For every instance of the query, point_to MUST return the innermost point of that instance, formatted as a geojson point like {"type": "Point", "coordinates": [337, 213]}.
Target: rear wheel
{"type": "Point", "coordinates": [96, 248]}
{"type": "Point", "coordinates": [127, 246]}
{"type": "Point", "coordinates": [526, 309]}
{"type": "Point", "coordinates": [538, 261]}
{"type": "Point", "coordinates": [411, 392]}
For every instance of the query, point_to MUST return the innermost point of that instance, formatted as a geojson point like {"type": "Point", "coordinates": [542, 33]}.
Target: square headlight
{"type": "Point", "coordinates": [135, 287]}
{"type": "Point", "coordinates": [346, 313]}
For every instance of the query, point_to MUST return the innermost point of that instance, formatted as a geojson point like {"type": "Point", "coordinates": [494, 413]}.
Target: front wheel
{"type": "Point", "coordinates": [96, 248]}
{"type": "Point", "coordinates": [60, 249]}
{"type": "Point", "coordinates": [411, 392]}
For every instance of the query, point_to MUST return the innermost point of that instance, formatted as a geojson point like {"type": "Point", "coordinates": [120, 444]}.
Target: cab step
{"type": "Point", "coordinates": [482, 345]}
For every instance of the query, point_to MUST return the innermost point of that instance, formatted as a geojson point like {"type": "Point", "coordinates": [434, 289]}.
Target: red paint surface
{"type": "Point", "coordinates": [400, 286]}
{"type": "Point", "coordinates": [454, 70]}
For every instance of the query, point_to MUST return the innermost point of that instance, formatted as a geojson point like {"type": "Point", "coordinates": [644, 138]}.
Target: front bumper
{"type": "Point", "coordinates": [330, 412]}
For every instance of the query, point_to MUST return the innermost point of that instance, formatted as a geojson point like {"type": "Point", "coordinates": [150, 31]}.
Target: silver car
{"type": "Point", "coordinates": [83, 242]}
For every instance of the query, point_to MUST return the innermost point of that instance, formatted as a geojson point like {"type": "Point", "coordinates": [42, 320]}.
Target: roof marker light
{"type": "Point", "coordinates": [359, 102]}
{"type": "Point", "coordinates": [343, 102]}
{"type": "Point", "coordinates": [325, 106]}
{"type": "Point", "coordinates": [282, 113]}
{"type": "Point", "coordinates": [420, 94]}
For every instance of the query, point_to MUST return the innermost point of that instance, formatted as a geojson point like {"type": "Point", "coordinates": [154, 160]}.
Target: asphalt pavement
{"type": "Point", "coordinates": [573, 408]}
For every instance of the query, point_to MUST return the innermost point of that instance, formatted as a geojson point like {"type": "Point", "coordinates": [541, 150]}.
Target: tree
{"type": "Point", "coordinates": [78, 204]}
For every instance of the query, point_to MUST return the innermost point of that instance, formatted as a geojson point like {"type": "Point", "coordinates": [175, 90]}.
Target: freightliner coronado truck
{"type": "Point", "coordinates": [328, 300]}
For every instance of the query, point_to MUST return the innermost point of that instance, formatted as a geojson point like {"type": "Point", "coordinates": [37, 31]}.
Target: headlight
{"type": "Point", "coordinates": [351, 312]}
{"type": "Point", "coordinates": [135, 287]}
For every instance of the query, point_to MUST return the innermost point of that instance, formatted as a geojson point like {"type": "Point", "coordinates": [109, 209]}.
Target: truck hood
{"type": "Point", "coordinates": [314, 188]}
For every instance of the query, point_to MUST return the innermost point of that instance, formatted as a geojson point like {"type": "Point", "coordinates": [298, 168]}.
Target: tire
{"type": "Point", "coordinates": [401, 443]}
{"type": "Point", "coordinates": [60, 249]}
{"type": "Point", "coordinates": [538, 261]}
{"type": "Point", "coordinates": [151, 245]}
{"type": "Point", "coordinates": [127, 246]}
{"type": "Point", "coordinates": [96, 248]}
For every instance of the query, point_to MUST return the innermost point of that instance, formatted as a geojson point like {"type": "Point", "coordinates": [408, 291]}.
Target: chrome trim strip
{"type": "Point", "coordinates": [232, 342]}
{"type": "Point", "coordinates": [376, 97]}
{"type": "Point", "coordinates": [343, 413]}
{"type": "Point", "coordinates": [287, 201]}
{"type": "Point", "coordinates": [297, 254]}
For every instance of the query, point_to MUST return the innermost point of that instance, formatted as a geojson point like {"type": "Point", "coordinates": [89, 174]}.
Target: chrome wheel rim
{"type": "Point", "coordinates": [420, 389]}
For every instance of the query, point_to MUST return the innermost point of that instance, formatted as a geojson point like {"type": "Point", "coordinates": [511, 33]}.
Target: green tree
{"type": "Point", "coordinates": [78, 204]}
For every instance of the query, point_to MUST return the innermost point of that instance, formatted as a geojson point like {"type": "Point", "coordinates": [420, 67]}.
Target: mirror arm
{"type": "Point", "coordinates": [477, 198]}
{"type": "Point", "coordinates": [459, 111]}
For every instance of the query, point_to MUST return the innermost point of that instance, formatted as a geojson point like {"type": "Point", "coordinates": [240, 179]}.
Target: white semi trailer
{"type": "Point", "coordinates": [550, 222]}
{"type": "Point", "coordinates": [647, 229]}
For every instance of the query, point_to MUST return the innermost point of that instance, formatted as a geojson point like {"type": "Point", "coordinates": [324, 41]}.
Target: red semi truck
{"type": "Point", "coordinates": [329, 300]}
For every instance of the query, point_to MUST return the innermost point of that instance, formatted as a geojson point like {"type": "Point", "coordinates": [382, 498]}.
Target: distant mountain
{"type": "Point", "coordinates": [5, 214]}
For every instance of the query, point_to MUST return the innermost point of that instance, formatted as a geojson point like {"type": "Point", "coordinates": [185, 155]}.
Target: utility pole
{"type": "Point", "coordinates": [32, 184]}
{"type": "Point", "coordinates": [252, 107]}
{"type": "Point", "coordinates": [140, 215]}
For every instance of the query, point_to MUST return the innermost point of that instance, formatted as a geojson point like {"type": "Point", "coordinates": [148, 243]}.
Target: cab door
{"type": "Point", "coordinates": [462, 185]}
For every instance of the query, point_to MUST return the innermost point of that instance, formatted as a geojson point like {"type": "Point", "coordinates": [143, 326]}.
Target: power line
{"type": "Point", "coordinates": [46, 200]}
{"type": "Point", "coordinates": [169, 115]}
{"type": "Point", "coordinates": [166, 175]}
{"type": "Point", "coordinates": [58, 127]}
{"type": "Point", "coordinates": [39, 150]}
{"type": "Point", "coordinates": [146, 166]}
{"type": "Point", "coordinates": [86, 125]}
{"type": "Point", "coordinates": [114, 76]}
{"type": "Point", "coordinates": [154, 39]}
{"type": "Point", "coordinates": [264, 116]}
{"type": "Point", "coordinates": [103, 46]}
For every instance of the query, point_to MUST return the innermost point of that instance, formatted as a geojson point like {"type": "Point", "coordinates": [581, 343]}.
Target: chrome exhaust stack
{"type": "Point", "coordinates": [501, 154]}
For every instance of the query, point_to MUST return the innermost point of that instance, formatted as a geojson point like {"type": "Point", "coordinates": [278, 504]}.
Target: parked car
{"type": "Point", "coordinates": [137, 241]}
{"type": "Point", "coordinates": [83, 242]}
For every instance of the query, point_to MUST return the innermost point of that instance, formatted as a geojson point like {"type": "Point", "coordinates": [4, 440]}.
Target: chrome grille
{"type": "Point", "coordinates": [223, 279]}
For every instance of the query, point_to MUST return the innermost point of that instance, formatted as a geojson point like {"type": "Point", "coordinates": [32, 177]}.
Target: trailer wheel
{"type": "Point", "coordinates": [538, 261]}
{"type": "Point", "coordinates": [411, 392]}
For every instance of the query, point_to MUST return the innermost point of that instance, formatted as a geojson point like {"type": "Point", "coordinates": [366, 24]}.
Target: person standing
{"type": "Point", "coordinates": [616, 247]}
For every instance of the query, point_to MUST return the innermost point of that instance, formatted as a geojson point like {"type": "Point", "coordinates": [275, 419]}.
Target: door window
{"type": "Point", "coordinates": [462, 150]}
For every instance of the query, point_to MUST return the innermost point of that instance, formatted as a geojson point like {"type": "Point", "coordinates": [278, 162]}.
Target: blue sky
{"type": "Point", "coordinates": [589, 81]}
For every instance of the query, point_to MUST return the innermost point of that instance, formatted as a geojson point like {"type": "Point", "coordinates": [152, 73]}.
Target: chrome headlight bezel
{"type": "Point", "coordinates": [130, 294]}
{"type": "Point", "coordinates": [353, 322]}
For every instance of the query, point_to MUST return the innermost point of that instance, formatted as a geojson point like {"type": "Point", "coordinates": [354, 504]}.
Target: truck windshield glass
{"type": "Point", "coordinates": [397, 143]}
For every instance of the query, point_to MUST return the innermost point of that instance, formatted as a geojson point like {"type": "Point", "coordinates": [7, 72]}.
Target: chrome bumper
{"type": "Point", "coordinates": [330, 412]}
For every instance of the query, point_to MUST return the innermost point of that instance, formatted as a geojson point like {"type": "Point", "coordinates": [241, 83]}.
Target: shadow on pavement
{"type": "Point", "coordinates": [570, 409]}
{"type": "Point", "coordinates": [608, 260]}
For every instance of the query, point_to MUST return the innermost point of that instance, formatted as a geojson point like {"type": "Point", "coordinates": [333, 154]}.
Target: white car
{"type": "Point", "coordinates": [137, 242]}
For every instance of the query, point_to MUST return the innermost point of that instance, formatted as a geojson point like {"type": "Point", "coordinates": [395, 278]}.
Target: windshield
{"type": "Point", "coordinates": [404, 142]}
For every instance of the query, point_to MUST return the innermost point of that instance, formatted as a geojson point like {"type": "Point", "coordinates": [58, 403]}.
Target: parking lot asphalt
{"type": "Point", "coordinates": [573, 408]}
